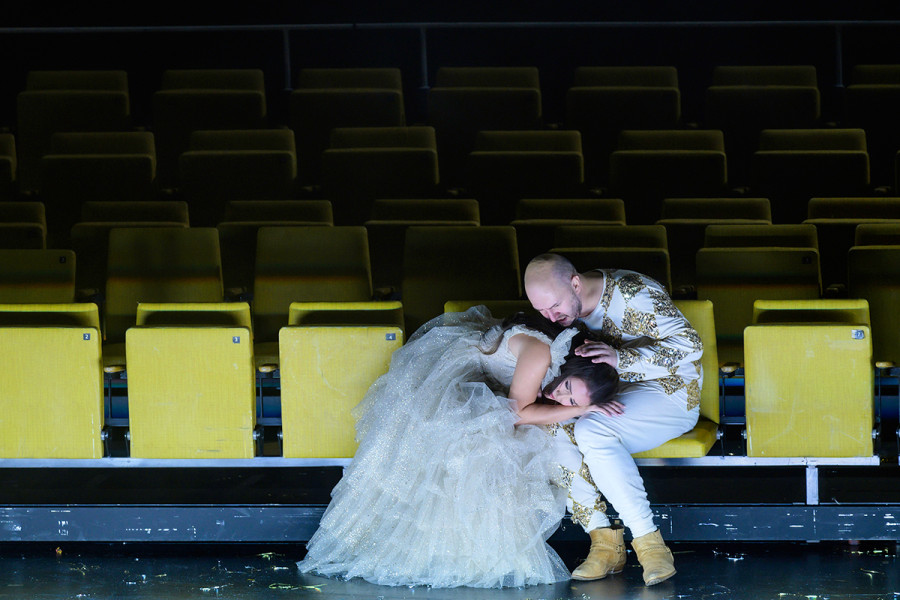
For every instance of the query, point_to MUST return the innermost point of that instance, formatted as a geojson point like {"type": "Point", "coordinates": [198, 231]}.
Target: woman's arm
{"type": "Point", "coordinates": [532, 361]}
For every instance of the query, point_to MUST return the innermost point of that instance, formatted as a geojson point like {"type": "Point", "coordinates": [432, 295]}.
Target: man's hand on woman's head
{"type": "Point", "coordinates": [599, 352]}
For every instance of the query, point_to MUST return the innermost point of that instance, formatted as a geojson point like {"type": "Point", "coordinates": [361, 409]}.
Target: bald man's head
{"type": "Point", "coordinates": [553, 287]}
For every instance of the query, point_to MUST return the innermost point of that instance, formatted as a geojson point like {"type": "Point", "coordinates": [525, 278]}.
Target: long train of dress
{"type": "Point", "coordinates": [444, 490]}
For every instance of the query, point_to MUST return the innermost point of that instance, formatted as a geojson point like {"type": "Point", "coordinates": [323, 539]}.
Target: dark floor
{"type": "Point", "coordinates": [825, 571]}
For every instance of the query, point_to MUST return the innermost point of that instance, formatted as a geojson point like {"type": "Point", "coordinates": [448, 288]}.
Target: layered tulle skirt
{"type": "Point", "coordinates": [444, 489]}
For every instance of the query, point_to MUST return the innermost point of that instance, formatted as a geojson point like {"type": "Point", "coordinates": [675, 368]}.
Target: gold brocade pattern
{"type": "Point", "coordinates": [637, 324]}
{"type": "Point", "coordinates": [698, 365]}
{"type": "Point", "coordinates": [585, 473]}
{"type": "Point", "coordinates": [627, 357]}
{"type": "Point", "coordinates": [564, 478]}
{"type": "Point", "coordinates": [667, 357]}
{"type": "Point", "coordinates": [662, 304]}
{"type": "Point", "coordinates": [630, 286]}
{"type": "Point", "coordinates": [611, 334]}
{"type": "Point", "coordinates": [693, 337]}
{"type": "Point", "coordinates": [631, 376]}
{"type": "Point", "coordinates": [693, 394]}
{"type": "Point", "coordinates": [581, 514]}
{"type": "Point", "coordinates": [671, 384]}
{"type": "Point", "coordinates": [569, 428]}
{"type": "Point", "coordinates": [608, 288]}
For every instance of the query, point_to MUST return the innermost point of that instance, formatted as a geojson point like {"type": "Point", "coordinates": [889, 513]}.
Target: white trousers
{"type": "Point", "coordinates": [595, 451]}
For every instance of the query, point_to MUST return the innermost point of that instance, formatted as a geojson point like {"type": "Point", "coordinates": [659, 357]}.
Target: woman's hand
{"type": "Point", "coordinates": [613, 408]}
{"type": "Point", "coordinates": [599, 352]}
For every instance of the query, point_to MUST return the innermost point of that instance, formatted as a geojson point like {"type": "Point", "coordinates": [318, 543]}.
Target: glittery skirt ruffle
{"type": "Point", "coordinates": [444, 490]}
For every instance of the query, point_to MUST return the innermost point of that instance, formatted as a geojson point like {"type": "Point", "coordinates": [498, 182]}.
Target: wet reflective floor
{"type": "Point", "coordinates": [823, 571]}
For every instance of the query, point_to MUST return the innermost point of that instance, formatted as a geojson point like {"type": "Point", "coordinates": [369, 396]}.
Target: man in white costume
{"type": "Point", "coordinates": [637, 330]}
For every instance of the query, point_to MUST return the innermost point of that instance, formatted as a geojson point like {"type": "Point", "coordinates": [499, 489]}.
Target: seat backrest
{"type": "Point", "coordinates": [377, 78]}
{"type": "Point", "coordinates": [524, 141]}
{"type": "Point", "coordinates": [315, 364]}
{"type": "Point", "coordinates": [191, 390]}
{"type": "Point", "coordinates": [243, 139]}
{"type": "Point", "coordinates": [699, 314]}
{"type": "Point", "coordinates": [214, 79]}
{"type": "Point", "coordinates": [448, 262]}
{"type": "Point", "coordinates": [875, 74]}
{"type": "Point", "coordinates": [77, 80]}
{"type": "Point", "coordinates": [733, 278]}
{"type": "Point", "coordinates": [590, 209]}
{"type": "Point", "coordinates": [103, 142]}
{"type": "Point", "coordinates": [433, 209]}
{"type": "Point", "coordinates": [803, 75]}
{"type": "Point", "coordinates": [376, 312]}
{"type": "Point", "coordinates": [383, 137]}
{"type": "Point", "coordinates": [52, 400]}
{"type": "Point", "coordinates": [689, 139]}
{"type": "Point", "coordinates": [23, 212]}
{"type": "Point", "coordinates": [278, 210]}
{"type": "Point", "coordinates": [788, 236]}
{"type": "Point", "coordinates": [203, 314]}
{"type": "Point", "coordinates": [172, 211]}
{"type": "Point", "coordinates": [626, 76]}
{"type": "Point", "coordinates": [611, 236]}
{"type": "Point", "coordinates": [311, 263]}
{"type": "Point", "coordinates": [717, 208]}
{"type": "Point", "coordinates": [159, 264]}
{"type": "Point", "coordinates": [522, 77]}
{"type": "Point", "coordinates": [825, 310]}
{"type": "Point", "coordinates": [878, 234]}
{"type": "Point", "coordinates": [873, 275]}
{"type": "Point", "coordinates": [37, 276]}
{"type": "Point", "coordinates": [652, 262]}
{"type": "Point", "coordinates": [880, 207]}
{"type": "Point", "coordinates": [812, 139]}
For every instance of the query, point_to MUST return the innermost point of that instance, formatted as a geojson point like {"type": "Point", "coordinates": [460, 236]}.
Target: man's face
{"type": "Point", "coordinates": [558, 303]}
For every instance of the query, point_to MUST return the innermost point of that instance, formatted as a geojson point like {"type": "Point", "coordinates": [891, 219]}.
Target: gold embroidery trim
{"type": "Point", "coordinates": [638, 323]}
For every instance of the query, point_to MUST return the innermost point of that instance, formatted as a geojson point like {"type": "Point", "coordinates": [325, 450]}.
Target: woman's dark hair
{"type": "Point", "coordinates": [601, 379]}
{"type": "Point", "coordinates": [536, 322]}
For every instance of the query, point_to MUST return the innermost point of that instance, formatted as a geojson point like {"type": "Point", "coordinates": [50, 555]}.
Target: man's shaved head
{"type": "Point", "coordinates": [550, 268]}
{"type": "Point", "coordinates": [553, 285]}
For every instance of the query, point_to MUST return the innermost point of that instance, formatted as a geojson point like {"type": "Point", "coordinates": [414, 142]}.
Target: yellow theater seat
{"type": "Point", "coordinates": [809, 379]}
{"type": "Point", "coordinates": [321, 382]}
{"type": "Point", "coordinates": [307, 264]}
{"type": "Point", "coordinates": [37, 276]}
{"type": "Point", "coordinates": [733, 278]}
{"type": "Point", "coordinates": [500, 309]}
{"type": "Point", "coordinates": [377, 312]}
{"type": "Point", "coordinates": [305, 314]}
{"type": "Point", "coordinates": [652, 262]}
{"type": "Point", "coordinates": [700, 440]}
{"type": "Point", "coordinates": [191, 386]}
{"type": "Point", "coordinates": [441, 263]}
{"type": "Point", "coordinates": [51, 389]}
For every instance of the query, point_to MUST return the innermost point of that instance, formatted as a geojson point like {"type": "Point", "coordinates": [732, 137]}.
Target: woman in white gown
{"type": "Point", "coordinates": [445, 489]}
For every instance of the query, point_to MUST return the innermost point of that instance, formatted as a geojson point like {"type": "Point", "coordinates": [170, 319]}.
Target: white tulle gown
{"type": "Point", "coordinates": [444, 490]}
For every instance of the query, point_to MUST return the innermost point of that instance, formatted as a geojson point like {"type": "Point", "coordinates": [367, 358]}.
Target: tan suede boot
{"type": "Point", "coordinates": [655, 557]}
{"type": "Point", "coordinates": [607, 555]}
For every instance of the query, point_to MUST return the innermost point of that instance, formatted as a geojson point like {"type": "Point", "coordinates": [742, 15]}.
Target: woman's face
{"type": "Point", "coordinates": [571, 391]}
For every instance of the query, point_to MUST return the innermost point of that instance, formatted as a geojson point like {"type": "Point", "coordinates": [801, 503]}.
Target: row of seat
{"type": "Point", "coordinates": [428, 263]}
{"type": "Point", "coordinates": [536, 222]}
{"type": "Point", "coordinates": [364, 164]}
{"type": "Point", "coordinates": [604, 101]}
{"type": "Point", "coordinates": [191, 379]}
